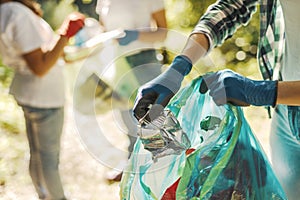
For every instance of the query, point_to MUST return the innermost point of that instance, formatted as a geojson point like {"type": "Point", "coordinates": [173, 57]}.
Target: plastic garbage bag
{"type": "Point", "coordinates": [224, 160]}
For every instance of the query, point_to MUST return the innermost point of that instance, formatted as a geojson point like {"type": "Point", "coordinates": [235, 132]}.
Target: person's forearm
{"type": "Point", "coordinates": [158, 35]}
{"type": "Point", "coordinates": [51, 57]}
{"type": "Point", "coordinates": [160, 32]}
{"type": "Point", "coordinates": [41, 62]}
{"type": "Point", "coordinates": [288, 93]}
{"type": "Point", "coordinates": [196, 47]}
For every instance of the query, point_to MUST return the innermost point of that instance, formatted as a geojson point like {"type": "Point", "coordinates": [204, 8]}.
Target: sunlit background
{"type": "Point", "coordinates": [82, 175]}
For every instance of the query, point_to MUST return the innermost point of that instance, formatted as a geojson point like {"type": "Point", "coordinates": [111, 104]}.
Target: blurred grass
{"type": "Point", "coordinates": [12, 128]}
{"type": "Point", "coordinates": [11, 116]}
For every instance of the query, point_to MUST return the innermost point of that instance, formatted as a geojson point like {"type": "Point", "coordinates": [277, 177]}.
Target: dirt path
{"type": "Point", "coordinates": [82, 175]}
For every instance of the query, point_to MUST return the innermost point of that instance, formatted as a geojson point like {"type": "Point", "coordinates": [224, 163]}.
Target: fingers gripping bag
{"type": "Point", "coordinates": [220, 158]}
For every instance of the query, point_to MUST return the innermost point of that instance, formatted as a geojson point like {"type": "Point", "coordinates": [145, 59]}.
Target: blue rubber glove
{"type": "Point", "coordinates": [158, 92]}
{"type": "Point", "coordinates": [227, 86]}
{"type": "Point", "coordinates": [130, 36]}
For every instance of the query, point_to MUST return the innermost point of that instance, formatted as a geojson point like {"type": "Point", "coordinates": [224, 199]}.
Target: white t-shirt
{"type": "Point", "coordinates": [128, 14]}
{"type": "Point", "coordinates": [22, 31]}
{"type": "Point", "coordinates": [291, 61]}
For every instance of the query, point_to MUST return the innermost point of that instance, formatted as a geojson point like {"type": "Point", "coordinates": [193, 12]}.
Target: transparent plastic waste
{"type": "Point", "coordinates": [163, 136]}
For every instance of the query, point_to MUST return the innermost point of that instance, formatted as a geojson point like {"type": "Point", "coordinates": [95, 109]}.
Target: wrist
{"type": "Point", "coordinates": [182, 64]}
{"type": "Point", "coordinates": [64, 38]}
{"type": "Point", "coordinates": [276, 94]}
{"type": "Point", "coordinates": [130, 36]}
{"type": "Point", "coordinates": [265, 93]}
{"type": "Point", "coordinates": [136, 35]}
{"type": "Point", "coordinates": [174, 75]}
{"type": "Point", "coordinates": [271, 92]}
{"type": "Point", "coordinates": [287, 93]}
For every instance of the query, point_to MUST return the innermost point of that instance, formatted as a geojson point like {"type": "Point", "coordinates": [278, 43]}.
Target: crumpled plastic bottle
{"type": "Point", "coordinates": [163, 136]}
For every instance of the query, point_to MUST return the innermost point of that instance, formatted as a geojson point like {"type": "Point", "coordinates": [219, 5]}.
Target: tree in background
{"type": "Point", "coordinates": [237, 53]}
{"type": "Point", "coordinates": [87, 7]}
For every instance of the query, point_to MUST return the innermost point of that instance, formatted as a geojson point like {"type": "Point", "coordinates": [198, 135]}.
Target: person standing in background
{"type": "Point", "coordinates": [29, 45]}
{"type": "Point", "coordinates": [144, 23]}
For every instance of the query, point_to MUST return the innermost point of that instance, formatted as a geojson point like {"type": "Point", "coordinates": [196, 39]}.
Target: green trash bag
{"type": "Point", "coordinates": [223, 160]}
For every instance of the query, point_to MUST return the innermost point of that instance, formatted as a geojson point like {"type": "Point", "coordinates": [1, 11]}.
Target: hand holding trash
{"type": "Point", "coordinates": [227, 86]}
{"type": "Point", "coordinates": [130, 36]}
{"type": "Point", "coordinates": [158, 92]}
{"type": "Point", "coordinates": [214, 154]}
{"type": "Point", "coordinates": [72, 24]}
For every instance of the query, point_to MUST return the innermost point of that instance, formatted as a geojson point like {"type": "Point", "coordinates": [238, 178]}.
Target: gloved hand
{"type": "Point", "coordinates": [72, 24]}
{"type": "Point", "coordinates": [227, 86]}
{"type": "Point", "coordinates": [130, 36]}
{"type": "Point", "coordinates": [158, 92]}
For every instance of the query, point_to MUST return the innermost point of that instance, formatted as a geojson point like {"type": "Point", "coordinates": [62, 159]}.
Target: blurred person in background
{"type": "Point", "coordinates": [144, 23]}
{"type": "Point", "coordinates": [29, 45]}
{"type": "Point", "coordinates": [279, 62]}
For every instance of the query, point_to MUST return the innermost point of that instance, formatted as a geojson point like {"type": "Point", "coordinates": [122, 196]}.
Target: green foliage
{"type": "Point", "coordinates": [88, 7]}
{"type": "Point", "coordinates": [6, 74]}
{"type": "Point", "coordinates": [11, 117]}
{"type": "Point", "coordinates": [237, 53]}
{"type": "Point", "coordinates": [184, 14]}
{"type": "Point", "coordinates": [56, 11]}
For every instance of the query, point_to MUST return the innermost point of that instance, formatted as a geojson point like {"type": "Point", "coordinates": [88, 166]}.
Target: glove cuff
{"type": "Point", "coordinates": [276, 94]}
{"type": "Point", "coordinates": [135, 35]}
{"type": "Point", "coordinates": [182, 64]}
{"type": "Point", "coordinates": [174, 75]}
{"type": "Point", "coordinates": [130, 36]}
{"type": "Point", "coordinates": [263, 93]}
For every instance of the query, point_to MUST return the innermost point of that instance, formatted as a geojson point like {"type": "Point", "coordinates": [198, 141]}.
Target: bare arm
{"type": "Point", "coordinates": [160, 33]}
{"type": "Point", "coordinates": [288, 93]}
{"type": "Point", "coordinates": [196, 47]}
{"type": "Point", "coordinates": [41, 62]}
